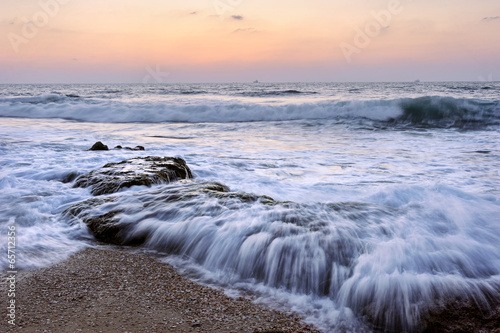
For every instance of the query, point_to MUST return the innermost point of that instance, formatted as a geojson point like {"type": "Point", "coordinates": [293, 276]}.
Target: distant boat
{"type": "Point", "coordinates": [416, 81]}
{"type": "Point", "coordinates": [256, 81]}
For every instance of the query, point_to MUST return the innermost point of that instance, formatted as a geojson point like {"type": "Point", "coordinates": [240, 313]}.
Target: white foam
{"type": "Point", "coordinates": [390, 263]}
{"type": "Point", "coordinates": [432, 195]}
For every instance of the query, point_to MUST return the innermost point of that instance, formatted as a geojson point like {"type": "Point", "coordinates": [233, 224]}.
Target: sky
{"type": "Point", "coordinates": [163, 41]}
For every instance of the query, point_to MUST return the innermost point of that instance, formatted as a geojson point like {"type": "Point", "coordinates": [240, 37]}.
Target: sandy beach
{"type": "Point", "coordinates": [108, 290]}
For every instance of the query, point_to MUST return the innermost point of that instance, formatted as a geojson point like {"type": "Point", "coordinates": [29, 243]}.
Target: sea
{"type": "Point", "coordinates": [389, 193]}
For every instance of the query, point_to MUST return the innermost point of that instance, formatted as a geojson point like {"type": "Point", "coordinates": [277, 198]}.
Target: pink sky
{"type": "Point", "coordinates": [73, 41]}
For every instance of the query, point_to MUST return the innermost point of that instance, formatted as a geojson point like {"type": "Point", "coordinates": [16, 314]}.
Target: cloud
{"type": "Point", "coordinates": [491, 18]}
{"type": "Point", "coordinates": [237, 17]}
{"type": "Point", "coordinates": [9, 21]}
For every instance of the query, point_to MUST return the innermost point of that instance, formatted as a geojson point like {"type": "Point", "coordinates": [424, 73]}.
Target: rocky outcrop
{"type": "Point", "coordinates": [128, 148]}
{"type": "Point", "coordinates": [106, 227]}
{"type": "Point", "coordinates": [463, 316]}
{"type": "Point", "coordinates": [99, 146]}
{"type": "Point", "coordinates": [144, 171]}
{"type": "Point", "coordinates": [84, 208]}
{"type": "Point", "coordinates": [110, 229]}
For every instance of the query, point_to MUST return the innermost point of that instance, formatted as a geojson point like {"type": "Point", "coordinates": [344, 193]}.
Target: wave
{"type": "Point", "coordinates": [429, 111]}
{"type": "Point", "coordinates": [192, 92]}
{"type": "Point", "coordinates": [163, 91]}
{"type": "Point", "coordinates": [389, 262]}
{"type": "Point", "coordinates": [275, 93]}
{"type": "Point", "coordinates": [448, 112]}
{"type": "Point", "coordinates": [109, 91]}
{"type": "Point", "coordinates": [44, 99]}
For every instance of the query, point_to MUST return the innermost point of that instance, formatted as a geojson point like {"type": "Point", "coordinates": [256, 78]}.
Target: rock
{"type": "Point", "coordinates": [463, 316]}
{"type": "Point", "coordinates": [135, 148]}
{"type": "Point", "coordinates": [106, 228]}
{"type": "Point", "coordinates": [69, 177]}
{"type": "Point", "coordinates": [242, 197]}
{"type": "Point", "coordinates": [128, 148]}
{"type": "Point", "coordinates": [136, 171]}
{"type": "Point", "coordinates": [110, 224]}
{"type": "Point", "coordinates": [99, 146]}
{"type": "Point", "coordinates": [196, 324]}
{"type": "Point", "coordinates": [84, 208]}
{"type": "Point", "coordinates": [110, 229]}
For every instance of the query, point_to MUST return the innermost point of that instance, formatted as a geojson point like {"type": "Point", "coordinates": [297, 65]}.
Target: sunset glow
{"type": "Point", "coordinates": [242, 40]}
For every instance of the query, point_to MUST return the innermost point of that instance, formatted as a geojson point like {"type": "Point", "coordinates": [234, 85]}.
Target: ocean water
{"type": "Point", "coordinates": [389, 192]}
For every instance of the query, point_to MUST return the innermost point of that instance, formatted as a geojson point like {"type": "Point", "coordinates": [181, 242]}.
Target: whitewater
{"type": "Point", "coordinates": [386, 196]}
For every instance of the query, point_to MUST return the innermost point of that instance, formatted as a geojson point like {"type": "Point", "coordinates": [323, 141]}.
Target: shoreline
{"type": "Point", "coordinates": [109, 290]}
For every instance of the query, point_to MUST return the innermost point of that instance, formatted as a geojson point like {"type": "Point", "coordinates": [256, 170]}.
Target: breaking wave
{"type": "Point", "coordinates": [449, 112]}
{"type": "Point", "coordinates": [391, 260]}
{"type": "Point", "coordinates": [265, 93]}
{"type": "Point", "coordinates": [429, 111]}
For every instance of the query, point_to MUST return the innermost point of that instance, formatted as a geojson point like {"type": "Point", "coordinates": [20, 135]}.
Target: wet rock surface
{"type": "Point", "coordinates": [140, 171]}
{"type": "Point", "coordinates": [110, 229]}
{"type": "Point", "coordinates": [129, 148]}
{"type": "Point", "coordinates": [463, 316]}
{"type": "Point", "coordinates": [99, 146]}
